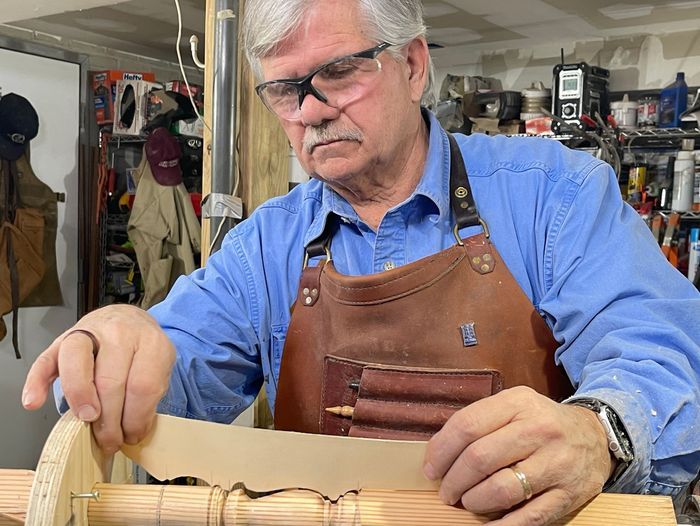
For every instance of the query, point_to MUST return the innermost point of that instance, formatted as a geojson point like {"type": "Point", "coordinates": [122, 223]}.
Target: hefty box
{"type": "Point", "coordinates": [104, 89]}
{"type": "Point", "coordinates": [132, 108]}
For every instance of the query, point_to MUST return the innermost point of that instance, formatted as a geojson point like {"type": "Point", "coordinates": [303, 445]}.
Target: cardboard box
{"type": "Point", "coordinates": [178, 86]}
{"type": "Point", "coordinates": [104, 89]}
{"type": "Point", "coordinates": [131, 106]}
{"type": "Point", "coordinates": [189, 128]}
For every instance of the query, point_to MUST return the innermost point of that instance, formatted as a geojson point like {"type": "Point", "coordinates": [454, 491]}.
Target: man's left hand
{"type": "Point", "coordinates": [561, 450]}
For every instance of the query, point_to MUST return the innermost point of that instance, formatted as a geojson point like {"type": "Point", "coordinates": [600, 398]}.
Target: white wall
{"type": "Point", "coordinates": [635, 62]}
{"type": "Point", "coordinates": [53, 88]}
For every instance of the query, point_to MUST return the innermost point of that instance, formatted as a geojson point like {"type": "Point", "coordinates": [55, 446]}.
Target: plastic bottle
{"type": "Point", "coordinates": [683, 179]}
{"type": "Point", "coordinates": [694, 260]}
{"type": "Point", "coordinates": [673, 101]}
{"type": "Point", "coordinates": [696, 186]}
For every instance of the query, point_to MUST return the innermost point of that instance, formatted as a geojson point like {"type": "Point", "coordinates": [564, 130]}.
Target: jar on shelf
{"type": "Point", "coordinates": [648, 111]}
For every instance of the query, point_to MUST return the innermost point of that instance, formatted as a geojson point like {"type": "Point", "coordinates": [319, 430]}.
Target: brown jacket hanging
{"type": "Point", "coordinates": [21, 250]}
{"type": "Point", "coordinates": [33, 193]}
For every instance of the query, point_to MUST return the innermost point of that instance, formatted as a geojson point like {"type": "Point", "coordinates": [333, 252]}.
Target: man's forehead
{"type": "Point", "coordinates": [328, 30]}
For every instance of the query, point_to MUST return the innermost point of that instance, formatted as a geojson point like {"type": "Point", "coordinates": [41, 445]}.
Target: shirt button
{"type": "Point", "coordinates": [389, 265]}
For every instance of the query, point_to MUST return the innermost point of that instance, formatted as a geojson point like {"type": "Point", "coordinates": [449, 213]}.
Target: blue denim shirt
{"type": "Point", "coordinates": [628, 323]}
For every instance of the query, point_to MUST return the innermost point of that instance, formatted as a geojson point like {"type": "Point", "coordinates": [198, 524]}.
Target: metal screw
{"type": "Point", "coordinates": [487, 257]}
{"type": "Point", "coordinates": [95, 495]}
{"type": "Point", "coordinates": [485, 268]}
{"type": "Point", "coordinates": [476, 260]}
{"type": "Point", "coordinates": [461, 192]}
{"type": "Point", "coordinates": [308, 300]}
{"type": "Point", "coordinates": [305, 292]}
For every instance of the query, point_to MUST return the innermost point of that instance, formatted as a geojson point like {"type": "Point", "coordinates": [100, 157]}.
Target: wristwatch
{"type": "Point", "coordinates": [619, 442]}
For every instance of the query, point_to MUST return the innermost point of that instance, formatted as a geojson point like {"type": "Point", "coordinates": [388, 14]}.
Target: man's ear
{"type": "Point", "coordinates": [417, 60]}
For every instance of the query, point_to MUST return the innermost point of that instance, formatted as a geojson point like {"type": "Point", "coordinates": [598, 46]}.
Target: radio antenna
{"type": "Point", "coordinates": [562, 56]}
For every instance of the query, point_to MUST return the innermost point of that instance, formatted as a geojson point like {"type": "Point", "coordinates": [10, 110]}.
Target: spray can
{"type": "Point", "coordinates": [694, 261]}
{"type": "Point", "coordinates": [636, 182]}
{"type": "Point", "coordinates": [683, 180]}
{"type": "Point", "coordinates": [684, 177]}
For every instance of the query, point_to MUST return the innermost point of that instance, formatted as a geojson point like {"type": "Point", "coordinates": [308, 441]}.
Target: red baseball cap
{"type": "Point", "coordinates": [163, 154]}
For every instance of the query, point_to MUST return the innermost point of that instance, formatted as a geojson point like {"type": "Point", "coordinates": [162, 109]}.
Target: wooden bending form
{"type": "Point", "coordinates": [339, 473]}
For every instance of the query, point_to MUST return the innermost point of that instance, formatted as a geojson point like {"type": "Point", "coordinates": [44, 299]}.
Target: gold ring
{"type": "Point", "coordinates": [93, 338]}
{"type": "Point", "coordinates": [527, 488]}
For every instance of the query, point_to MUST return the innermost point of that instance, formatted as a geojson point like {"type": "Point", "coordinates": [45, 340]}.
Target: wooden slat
{"type": "Point", "coordinates": [208, 117]}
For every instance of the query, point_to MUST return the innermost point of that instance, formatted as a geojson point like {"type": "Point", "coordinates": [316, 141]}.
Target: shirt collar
{"type": "Point", "coordinates": [434, 184]}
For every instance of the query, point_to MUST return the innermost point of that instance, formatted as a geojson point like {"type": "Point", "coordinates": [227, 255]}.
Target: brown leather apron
{"type": "Point", "coordinates": [395, 354]}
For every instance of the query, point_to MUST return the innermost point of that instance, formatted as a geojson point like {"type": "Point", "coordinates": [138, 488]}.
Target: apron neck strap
{"type": "Point", "coordinates": [461, 202]}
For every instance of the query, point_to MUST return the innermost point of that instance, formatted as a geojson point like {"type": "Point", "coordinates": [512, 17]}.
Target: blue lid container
{"type": "Point", "coordinates": [672, 102]}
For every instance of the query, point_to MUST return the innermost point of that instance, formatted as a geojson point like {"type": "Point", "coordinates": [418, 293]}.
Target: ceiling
{"type": "Point", "coordinates": [463, 27]}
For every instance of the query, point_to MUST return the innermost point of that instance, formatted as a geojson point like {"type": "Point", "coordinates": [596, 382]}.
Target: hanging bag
{"type": "Point", "coordinates": [22, 264]}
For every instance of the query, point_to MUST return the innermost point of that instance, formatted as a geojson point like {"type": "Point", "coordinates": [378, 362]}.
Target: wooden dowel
{"type": "Point", "coordinates": [150, 505]}
{"type": "Point", "coordinates": [139, 505]}
{"type": "Point", "coordinates": [15, 487]}
{"type": "Point", "coordinates": [290, 507]}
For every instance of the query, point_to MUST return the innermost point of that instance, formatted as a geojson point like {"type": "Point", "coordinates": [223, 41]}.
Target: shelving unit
{"type": "Point", "coordinates": [684, 216]}
{"type": "Point", "coordinates": [657, 137]}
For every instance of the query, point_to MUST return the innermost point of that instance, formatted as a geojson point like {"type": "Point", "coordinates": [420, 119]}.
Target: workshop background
{"type": "Point", "coordinates": [84, 64]}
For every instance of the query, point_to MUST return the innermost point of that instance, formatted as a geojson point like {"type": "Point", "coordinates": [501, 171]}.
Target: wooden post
{"type": "Point", "coordinates": [208, 95]}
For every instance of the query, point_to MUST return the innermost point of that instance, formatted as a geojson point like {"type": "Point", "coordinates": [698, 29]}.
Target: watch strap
{"type": "Point", "coordinates": [619, 443]}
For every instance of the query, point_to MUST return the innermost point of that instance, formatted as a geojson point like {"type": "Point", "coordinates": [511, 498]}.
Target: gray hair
{"type": "Point", "coordinates": [267, 22]}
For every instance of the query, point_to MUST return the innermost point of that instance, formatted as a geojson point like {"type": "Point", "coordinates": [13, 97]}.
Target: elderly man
{"type": "Point", "coordinates": [500, 285]}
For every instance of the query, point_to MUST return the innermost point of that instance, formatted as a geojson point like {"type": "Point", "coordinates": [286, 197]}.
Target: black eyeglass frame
{"type": "Point", "coordinates": [303, 84]}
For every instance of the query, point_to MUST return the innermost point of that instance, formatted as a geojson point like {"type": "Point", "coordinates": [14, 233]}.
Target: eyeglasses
{"type": "Point", "coordinates": [335, 84]}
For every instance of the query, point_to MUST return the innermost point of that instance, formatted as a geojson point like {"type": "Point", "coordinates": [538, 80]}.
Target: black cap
{"type": "Point", "coordinates": [19, 124]}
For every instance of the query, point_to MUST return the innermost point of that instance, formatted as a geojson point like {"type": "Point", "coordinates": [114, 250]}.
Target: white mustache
{"type": "Point", "coordinates": [315, 135]}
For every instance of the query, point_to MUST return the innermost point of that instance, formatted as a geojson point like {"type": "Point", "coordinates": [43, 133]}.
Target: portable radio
{"type": "Point", "coordinates": [579, 89]}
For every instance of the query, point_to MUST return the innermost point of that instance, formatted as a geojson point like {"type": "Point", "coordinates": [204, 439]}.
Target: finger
{"type": "Point", "coordinates": [76, 365]}
{"type": "Point", "coordinates": [111, 373]}
{"type": "Point", "coordinates": [466, 426]}
{"type": "Point", "coordinates": [504, 447]}
{"type": "Point", "coordinates": [502, 490]}
{"type": "Point", "coordinates": [148, 382]}
{"type": "Point", "coordinates": [41, 375]}
{"type": "Point", "coordinates": [543, 509]}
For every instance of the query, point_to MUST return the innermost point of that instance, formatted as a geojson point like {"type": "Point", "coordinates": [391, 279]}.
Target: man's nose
{"type": "Point", "coordinates": [315, 112]}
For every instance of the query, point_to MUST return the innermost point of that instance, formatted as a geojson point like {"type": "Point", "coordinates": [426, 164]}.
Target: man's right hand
{"type": "Point", "coordinates": [119, 388]}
